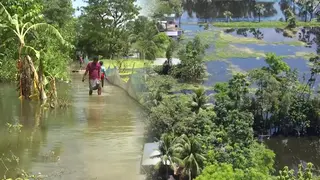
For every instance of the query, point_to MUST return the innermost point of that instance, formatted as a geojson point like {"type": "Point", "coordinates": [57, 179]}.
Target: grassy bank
{"type": "Point", "coordinates": [265, 24]}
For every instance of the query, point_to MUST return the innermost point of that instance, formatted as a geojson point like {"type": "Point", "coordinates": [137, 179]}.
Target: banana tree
{"type": "Point", "coordinates": [26, 67]}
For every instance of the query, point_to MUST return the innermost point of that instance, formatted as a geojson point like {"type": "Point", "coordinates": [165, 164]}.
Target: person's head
{"type": "Point", "coordinates": [95, 59]}
{"type": "Point", "coordinates": [101, 63]}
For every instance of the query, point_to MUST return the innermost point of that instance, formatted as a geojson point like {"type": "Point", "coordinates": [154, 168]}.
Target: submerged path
{"type": "Point", "coordinates": [98, 137]}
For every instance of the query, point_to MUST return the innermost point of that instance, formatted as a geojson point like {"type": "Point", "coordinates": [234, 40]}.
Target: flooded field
{"type": "Point", "coordinates": [97, 137]}
{"type": "Point", "coordinates": [240, 50]}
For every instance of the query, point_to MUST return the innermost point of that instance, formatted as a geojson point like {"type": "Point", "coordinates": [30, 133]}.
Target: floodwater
{"type": "Point", "coordinates": [97, 137]}
{"type": "Point", "coordinates": [293, 151]}
{"type": "Point", "coordinates": [277, 43]}
{"type": "Point", "coordinates": [218, 72]}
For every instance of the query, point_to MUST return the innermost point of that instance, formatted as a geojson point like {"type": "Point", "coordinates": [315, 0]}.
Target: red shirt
{"type": "Point", "coordinates": [94, 70]}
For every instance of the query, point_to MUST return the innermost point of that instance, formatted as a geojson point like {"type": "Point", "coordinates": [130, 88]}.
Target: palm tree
{"type": "Point", "coordinates": [259, 9]}
{"type": "Point", "coordinates": [168, 152]}
{"type": "Point", "coordinates": [191, 154]}
{"type": "Point", "coordinates": [21, 30]}
{"type": "Point", "coordinates": [199, 100]}
{"type": "Point", "coordinates": [228, 15]}
{"type": "Point", "coordinates": [146, 39]}
{"type": "Point", "coordinates": [167, 65]}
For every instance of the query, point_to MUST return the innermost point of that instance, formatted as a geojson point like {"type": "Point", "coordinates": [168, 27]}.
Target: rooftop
{"type": "Point", "coordinates": [151, 154]}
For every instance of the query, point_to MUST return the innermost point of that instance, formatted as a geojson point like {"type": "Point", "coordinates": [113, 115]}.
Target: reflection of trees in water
{"type": "Point", "coordinates": [24, 143]}
{"type": "Point", "coordinates": [293, 151]}
{"type": "Point", "coordinates": [255, 32]}
{"type": "Point", "coordinates": [305, 36]}
{"type": "Point", "coordinates": [214, 9]}
{"type": "Point", "coordinates": [310, 36]}
{"type": "Point", "coordinates": [94, 117]}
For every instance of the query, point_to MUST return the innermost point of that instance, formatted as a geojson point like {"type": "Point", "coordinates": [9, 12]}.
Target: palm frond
{"type": "Point", "coordinates": [15, 22]}
{"type": "Point", "coordinates": [32, 15]}
{"type": "Point", "coordinates": [26, 25]}
{"type": "Point", "coordinates": [133, 37]}
{"type": "Point", "coordinates": [44, 27]}
{"type": "Point", "coordinates": [4, 26]}
{"type": "Point", "coordinates": [200, 157]}
{"type": "Point", "coordinates": [4, 13]}
{"type": "Point", "coordinates": [29, 49]}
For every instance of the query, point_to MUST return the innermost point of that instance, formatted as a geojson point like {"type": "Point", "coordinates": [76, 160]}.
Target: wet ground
{"type": "Point", "coordinates": [97, 137]}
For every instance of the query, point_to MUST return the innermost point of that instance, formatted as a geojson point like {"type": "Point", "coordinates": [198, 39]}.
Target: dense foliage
{"type": "Point", "coordinates": [265, 101]}
{"type": "Point", "coordinates": [54, 56]}
{"type": "Point", "coordinates": [201, 136]}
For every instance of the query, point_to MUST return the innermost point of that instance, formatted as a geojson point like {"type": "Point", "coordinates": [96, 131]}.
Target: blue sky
{"type": "Point", "coordinates": [77, 3]}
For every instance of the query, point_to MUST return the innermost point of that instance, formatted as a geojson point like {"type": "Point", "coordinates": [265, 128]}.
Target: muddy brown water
{"type": "Point", "coordinates": [97, 137]}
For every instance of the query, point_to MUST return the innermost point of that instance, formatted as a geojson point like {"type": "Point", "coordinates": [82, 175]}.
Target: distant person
{"type": "Point", "coordinates": [94, 69]}
{"type": "Point", "coordinates": [103, 73]}
{"type": "Point", "coordinates": [81, 61]}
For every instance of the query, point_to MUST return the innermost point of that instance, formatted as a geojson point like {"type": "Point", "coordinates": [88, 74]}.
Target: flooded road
{"type": "Point", "coordinates": [97, 137]}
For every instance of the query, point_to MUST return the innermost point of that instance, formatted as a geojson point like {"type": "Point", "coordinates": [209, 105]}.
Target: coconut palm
{"type": "Point", "coordinates": [146, 39]}
{"type": "Point", "coordinates": [167, 65]}
{"type": "Point", "coordinates": [21, 30]}
{"type": "Point", "coordinates": [191, 154]}
{"type": "Point", "coordinates": [168, 150]}
{"type": "Point", "coordinates": [228, 15]}
{"type": "Point", "coordinates": [199, 100]}
{"type": "Point", "coordinates": [260, 9]}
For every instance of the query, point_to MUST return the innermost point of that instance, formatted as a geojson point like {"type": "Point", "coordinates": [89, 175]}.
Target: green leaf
{"type": "Point", "coordinates": [30, 49]}
{"type": "Point", "coordinates": [3, 26]}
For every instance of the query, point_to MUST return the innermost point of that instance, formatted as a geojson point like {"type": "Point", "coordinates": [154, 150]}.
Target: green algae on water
{"type": "Point", "coordinates": [223, 47]}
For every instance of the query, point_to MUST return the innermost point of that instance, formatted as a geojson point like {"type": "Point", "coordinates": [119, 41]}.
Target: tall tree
{"type": "Point", "coordinates": [102, 24]}
{"type": "Point", "coordinates": [58, 11]}
{"type": "Point", "coordinates": [146, 39]}
{"type": "Point", "coordinates": [192, 66]}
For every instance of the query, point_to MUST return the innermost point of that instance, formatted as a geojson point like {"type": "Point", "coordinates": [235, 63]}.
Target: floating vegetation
{"type": "Point", "coordinates": [222, 46]}
{"type": "Point", "coordinates": [305, 55]}
{"type": "Point", "coordinates": [235, 52]}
